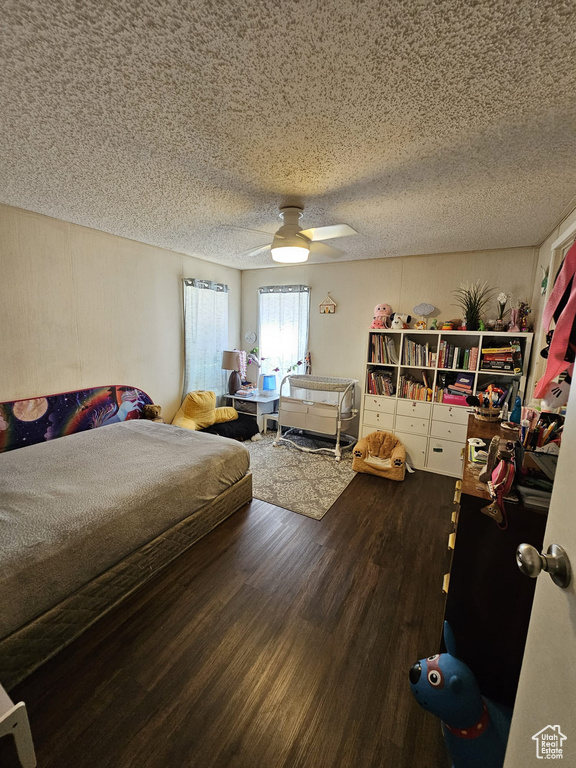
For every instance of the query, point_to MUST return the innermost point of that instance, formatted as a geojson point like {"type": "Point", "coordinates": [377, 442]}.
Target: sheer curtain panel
{"type": "Point", "coordinates": [283, 312]}
{"type": "Point", "coordinates": [205, 335]}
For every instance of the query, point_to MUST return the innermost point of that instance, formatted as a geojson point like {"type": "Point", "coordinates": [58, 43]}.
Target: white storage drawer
{"type": "Point", "coordinates": [412, 424]}
{"type": "Point", "coordinates": [453, 413]}
{"type": "Point", "coordinates": [445, 456]}
{"type": "Point", "coordinates": [382, 404]}
{"type": "Point", "coordinates": [449, 431]}
{"type": "Point", "coordinates": [379, 420]}
{"type": "Point", "coordinates": [367, 429]}
{"type": "Point", "coordinates": [413, 408]}
{"type": "Point", "coordinates": [415, 448]}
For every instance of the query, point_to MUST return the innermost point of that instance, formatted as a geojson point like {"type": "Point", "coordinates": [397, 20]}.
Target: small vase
{"type": "Point", "coordinates": [499, 325]}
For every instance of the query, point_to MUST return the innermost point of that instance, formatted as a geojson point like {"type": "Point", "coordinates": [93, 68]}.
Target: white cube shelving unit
{"type": "Point", "coordinates": [433, 432]}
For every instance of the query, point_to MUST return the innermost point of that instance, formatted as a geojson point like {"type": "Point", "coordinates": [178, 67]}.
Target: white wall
{"type": "Point", "coordinates": [337, 341]}
{"type": "Point", "coordinates": [82, 308]}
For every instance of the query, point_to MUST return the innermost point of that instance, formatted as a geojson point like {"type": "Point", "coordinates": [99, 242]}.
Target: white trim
{"type": "Point", "coordinates": [563, 240]}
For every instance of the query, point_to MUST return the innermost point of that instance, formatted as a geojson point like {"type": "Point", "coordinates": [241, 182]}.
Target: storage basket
{"type": "Point", "coordinates": [487, 414]}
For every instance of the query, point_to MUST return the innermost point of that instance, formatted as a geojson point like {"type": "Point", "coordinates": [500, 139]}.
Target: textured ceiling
{"type": "Point", "coordinates": [427, 125]}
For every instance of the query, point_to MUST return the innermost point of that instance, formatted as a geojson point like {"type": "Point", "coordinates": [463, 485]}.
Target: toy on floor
{"type": "Point", "coordinates": [475, 729]}
{"type": "Point", "coordinates": [380, 453]}
{"type": "Point", "coordinates": [400, 320]}
{"type": "Point", "coordinates": [382, 313]}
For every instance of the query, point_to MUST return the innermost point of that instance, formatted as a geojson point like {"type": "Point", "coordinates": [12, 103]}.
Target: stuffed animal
{"type": "Point", "coordinates": [152, 413]}
{"type": "Point", "coordinates": [420, 325]}
{"type": "Point", "coordinates": [475, 729]}
{"type": "Point", "coordinates": [434, 325]}
{"type": "Point", "coordinates": [400, 320]}
{"type": "Point", "coordinates": [382, 313]}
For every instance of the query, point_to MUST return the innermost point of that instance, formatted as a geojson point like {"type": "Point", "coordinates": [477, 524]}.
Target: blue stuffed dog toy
{"type": "Point", "coordinates": [475, 729]}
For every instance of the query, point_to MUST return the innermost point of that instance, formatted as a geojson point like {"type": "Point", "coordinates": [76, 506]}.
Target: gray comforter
{"type": "Point", "coordinates": [73, 507]}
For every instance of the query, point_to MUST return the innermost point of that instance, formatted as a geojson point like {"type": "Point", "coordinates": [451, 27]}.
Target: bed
{"type": "Point", "coordinates": [318, 404]}
{"type": "Point", "coordinates": [89, 517]}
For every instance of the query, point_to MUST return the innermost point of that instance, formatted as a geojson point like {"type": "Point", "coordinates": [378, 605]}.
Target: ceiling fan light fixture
{"type": "Point", "coordinates": [290, 254]}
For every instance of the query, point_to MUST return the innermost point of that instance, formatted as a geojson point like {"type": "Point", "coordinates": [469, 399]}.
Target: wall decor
{"type": "Point", "coordinates": [328, 306]}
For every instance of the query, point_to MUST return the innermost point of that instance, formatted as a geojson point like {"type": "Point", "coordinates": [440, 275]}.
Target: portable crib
{"type": "Point", "coordinates": [318, 404]}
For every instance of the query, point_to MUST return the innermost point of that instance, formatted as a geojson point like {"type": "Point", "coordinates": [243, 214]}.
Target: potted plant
{"type": "Point", "coordinates": [472, 299]}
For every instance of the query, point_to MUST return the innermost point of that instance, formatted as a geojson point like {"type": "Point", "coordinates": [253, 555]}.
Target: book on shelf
{"type": "Point", "coordinates": [391, 350]}
{"type": "Point", "coordinates": [496, 350]}
{"type": "Point", "coordinates": [464, 384]}
{"type": "Point", "coordinates": [453, 356]}
{"type": "Point", "coordinates": [502, 358]}
{"type": "Point", "coordinates": [449, 398]}
{"type": "Point", "coordinates": [473, 359]}
{"type": "Point", "coordinates": [381, 383]}
{"type": "Point", "coordinates": [417, 354]}
{"type": "Point", "coordinates": [410, 389]}
{"type": "Point", "coordinates": [383, 350]}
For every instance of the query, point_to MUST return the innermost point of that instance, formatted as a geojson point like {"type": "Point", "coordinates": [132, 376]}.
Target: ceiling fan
{"type": "Point", "coordinates": [292, 244]}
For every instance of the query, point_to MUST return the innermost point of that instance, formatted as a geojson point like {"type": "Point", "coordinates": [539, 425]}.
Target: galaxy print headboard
{"type": "Point", "coordinates": [37, 419]}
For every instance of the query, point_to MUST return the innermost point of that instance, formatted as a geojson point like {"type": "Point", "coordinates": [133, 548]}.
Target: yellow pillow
{"type": "Point", "coordinates": [200, 406]}
{"type": "Point", "coordinates": [225, 413]}
{"type": "Point", "coordinates": [198, 411]}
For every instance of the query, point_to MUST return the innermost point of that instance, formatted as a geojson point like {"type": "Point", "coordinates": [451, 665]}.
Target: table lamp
{"type": "Point", "coordinates": [231, 362]}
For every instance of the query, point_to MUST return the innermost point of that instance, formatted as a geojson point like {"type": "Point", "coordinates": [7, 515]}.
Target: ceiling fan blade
{"type": "Point", "coordinates": [246, 229]}
{"type": "Point", "coordinates": [257, 251]}
{"type": "Point", "coordinates": [319, 249]}
{"type": "Point", "coordinates": [327, 233]}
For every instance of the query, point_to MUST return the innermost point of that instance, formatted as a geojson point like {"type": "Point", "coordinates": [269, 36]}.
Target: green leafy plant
{"type": "Point", "coordinates": [472, 298]}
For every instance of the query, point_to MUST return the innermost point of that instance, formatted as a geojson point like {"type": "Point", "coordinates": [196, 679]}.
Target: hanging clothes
{"type": "Point", "coordinates": [561, 307]}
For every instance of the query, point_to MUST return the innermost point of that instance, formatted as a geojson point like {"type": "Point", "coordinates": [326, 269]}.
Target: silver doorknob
{"type": "Point", "coordinates": [555, 562]}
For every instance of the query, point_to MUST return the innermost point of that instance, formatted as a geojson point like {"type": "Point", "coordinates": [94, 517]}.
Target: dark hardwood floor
{"type": "Point", "coordinates": [276, 642]}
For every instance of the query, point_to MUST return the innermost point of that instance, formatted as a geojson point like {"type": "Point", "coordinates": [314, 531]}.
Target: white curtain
{"type": "Point", "coordinates": [205, 335]}
{"type": "Point", "coordinates": [283, 312]}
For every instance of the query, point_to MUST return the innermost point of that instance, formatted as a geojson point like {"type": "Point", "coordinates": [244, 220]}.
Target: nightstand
{"type": "Point", "coordinates": [256, 406]}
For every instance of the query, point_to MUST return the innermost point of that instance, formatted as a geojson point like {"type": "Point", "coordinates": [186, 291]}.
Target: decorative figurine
{"type": "Point", "coordinates": [475, 729]}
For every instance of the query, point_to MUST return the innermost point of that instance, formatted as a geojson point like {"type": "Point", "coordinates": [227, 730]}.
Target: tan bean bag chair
{"type": "Point", "coordinates": [382, 454]}
{"type": "Point", "coordinates": [198, 411]}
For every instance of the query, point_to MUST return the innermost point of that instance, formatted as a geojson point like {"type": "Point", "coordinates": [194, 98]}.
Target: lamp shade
{"type": "Point", "coordinates": [289, 246]}
{"type": "Point", "coordinates": [287, 254]}
{"type": "Point", "coordinates": [230, 361]}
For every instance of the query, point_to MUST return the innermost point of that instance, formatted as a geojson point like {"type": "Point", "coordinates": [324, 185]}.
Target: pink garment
{"type": "Point", "coordinates": [564, 289]}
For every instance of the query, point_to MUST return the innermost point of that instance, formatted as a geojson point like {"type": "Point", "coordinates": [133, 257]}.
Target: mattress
{"type": "Point", "coordinates": [72, 508]}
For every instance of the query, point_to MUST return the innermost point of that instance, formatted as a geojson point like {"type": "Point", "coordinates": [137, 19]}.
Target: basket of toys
{"type": "Point", "coordinates": [487, 405]}
{"type": "Point", "coordinates": [487, 414]}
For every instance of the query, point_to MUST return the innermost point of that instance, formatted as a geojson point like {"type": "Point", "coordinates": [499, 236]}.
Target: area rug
{"type": "Point", "coordinates": [307, 483]}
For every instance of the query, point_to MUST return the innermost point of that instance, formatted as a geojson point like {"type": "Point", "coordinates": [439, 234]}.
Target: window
{"type": "Point", "coordinates": [205, 335]}
{"type": "Point", "coordinates": [283, 312]}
